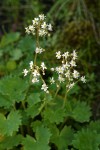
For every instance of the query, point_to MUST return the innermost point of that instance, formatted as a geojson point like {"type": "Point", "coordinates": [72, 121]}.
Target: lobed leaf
{"type": "Point", "coordinates": [9, 38]}
{"type": "Point", "coordinates": [10, 124]}
{"type": "Point", "coordinates": [11, 89]}
{"type": "Point", "coordinates": [10, 142]}
{"type": "Point", "coordinates": [78, 110]}
{"type": "Point", "coordinates": [86, 140]}
{"type": "Point", "coordinates": [41, 141]}
{"type": "Point", "coordinates": [62, 139]}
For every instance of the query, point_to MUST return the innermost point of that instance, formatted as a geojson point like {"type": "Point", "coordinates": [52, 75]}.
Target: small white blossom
{"type": "Point", "coordinates": [35, 73]}
{"type": "Point", "coordinates": [60, 70]}
{"type": "Point", "coordinates": [31, 64]}
{"type": "Point", "coordinates": [67, 74]}
{"type": "Point", "coordinates": [73, 63]}
{"type": "Point", "coordinates": [35, 21]}
{"type": "Point", "coordinates": [31, 28]}
{"type": "Point", "coordinates": [43, 66]}
{"type": "Point", "coordinates": [35, 80]}
{"type": "Point", "coordinates": [44, 88]}
{"type": "Point", "coordinates": [75, 74]}
{"type": "Point", "coordinates": [42, 32]}
{"type": "Point", "coordinates": [39, 50]}
{"type": "Point", "coordinates": [44, 25]}
{"type": "Point", "coordinates": [65, 55]}
{"type": "Point", "coordinates": [71, 85]}
{"type": "Point", "coordinates": [66, 65]}
{"type": "Point", "coordinates": [27, 30]}
{"type": "Point", "coordinates": [74, 54]}
{"type": "Point", "coordinates": [83, 79]}
{"type": "Point", "coordinates": [61, 79]}
{"type": "Point", "coordinates": [25, 71]}
{"type": "Point", "coordinates": [49, 27]}
{"type": "Point", "coordinates": [52, 69]}
{"type": "Point", "coordinates": [52, 80]}
{"type": "Point", "coordinates": [42, 17]}
{"type": "Point", "coordinates": [58, 55]}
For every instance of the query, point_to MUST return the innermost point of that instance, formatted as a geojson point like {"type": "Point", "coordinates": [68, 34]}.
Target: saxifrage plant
{"type": "Point", "coordinates": [35, 114]}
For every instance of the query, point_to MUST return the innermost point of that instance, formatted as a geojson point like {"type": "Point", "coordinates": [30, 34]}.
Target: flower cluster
{"type": "Point", "coordinates": [39, 26]}
{"type": "Point", "coordinates": [35, 73]}
{"type": "Point", "coordinates": [67, 72]}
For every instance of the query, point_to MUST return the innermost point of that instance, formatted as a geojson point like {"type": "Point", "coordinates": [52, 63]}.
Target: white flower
{"type": "Point", "coordinates": [60, 70]}
{"type": "Point", "coordinates": [66, 54]}
{"type": "Point", "coordinates": [31, 28]}
{"type": "Point", "coordinates": [74, 54]}
{"type": "Point", "coordinates": [52, 80]}
{"type": "Point", "coordinates": [42, 32]}
{"type": "Point", "coordinates": [39, 50]}
{"type": "Point", "coordinates": [31, 64]}
{"type": "Point", "coordinates": [73, 63]}
{"type": "Point", "coordinates": [25, 71]}
{"type": "Point", "coordinates": [83, 79]}
{"type": "Point", "coordinates": [35, 73]}
{"type": "Point", "coordinates": [75, 74]}
{"type": "Point", "coordinates": [44, 87]}
{"type": "Point", "coordinates": [70, 85]}
{"type": "Point", "coordinates": [34, 80]}
{"type": "Point", "coordinates": [67, 74]}
{"type": "Point", "coordinates": [49, 27]}
{"type": "Point", "coordinates": [58, 55]}
{"type": "Point", "coordinates": [27, 30]}
{"type": "Point", "coordinates": [66, 65]}
{"type": "Point", "coordinates": [35, 21]}
{"type": "Point", "coordinates": [42, 17]}
{"type": "Point", "coordinates": [44, 25]}
{"type": "Point", "coordinates": [61, 79]}
{"type": "Point", "coordinates": [43, 66]}
{"type": "Point", "coordinates": [52, 69]}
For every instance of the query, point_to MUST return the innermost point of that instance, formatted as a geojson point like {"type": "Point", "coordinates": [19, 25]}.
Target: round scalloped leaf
{"type": "Point", "coordinates": [86, 140]}
{"type": "Point", "coordinates": [62, 139]}
{"type": "Point", "coordinates": [10, 142]}
{"type": "Point", "coordinates": [78, 110]}
{"type": "Point", "coordinates": [12, 88]}
{"type": "Point", "coordinates": [41, 141]}
{"type": "Point", "coordinates": [10, 124]}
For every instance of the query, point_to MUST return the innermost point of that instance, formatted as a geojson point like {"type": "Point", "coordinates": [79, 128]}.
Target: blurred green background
{"type": "Point", "coordinates": [76, 25]}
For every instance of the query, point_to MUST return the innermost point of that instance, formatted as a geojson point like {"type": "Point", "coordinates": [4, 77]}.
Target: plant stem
{"type": "Point", "coordinates": [65, 99]}
{"type": "Point", "coordinates": [57, 91]}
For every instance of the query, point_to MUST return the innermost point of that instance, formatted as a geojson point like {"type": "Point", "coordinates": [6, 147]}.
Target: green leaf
{"type": "Point", "coordinates": [78, 110]}
{"type": "Point", "coordinates": [2, 124]}
{"type": "Point", "coordinates": [9, 38]}
{"type": "Point", "coordinates": [27, 43]}
{"type": "Point", "coordinates": [10, 142]}
{"type": "Point", "coordinates": [12, 89]}
{"type": "Point", "coordinates": [16, 54]}
{"type": "Point", "coordinates": [4, 101]}
{"type": "Point", "coordinates": [33, 98]}
{"type": "Point", "coordinates": [86, 140]}
{"type": "Point", "coordinates": [11, 124]}
{"type": "Point", "coordinates": [54, 115]}
{"type": "Point", "coordinates": [41, 141]}
{"type": "Point", "coordinates": [62, 139]}
{"type": "Point", "coordinates": [33, 110]}
{"type": "Point", "coordinates": [11, 65]}
{"type": "Point", "coordinates": [94, 126]}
